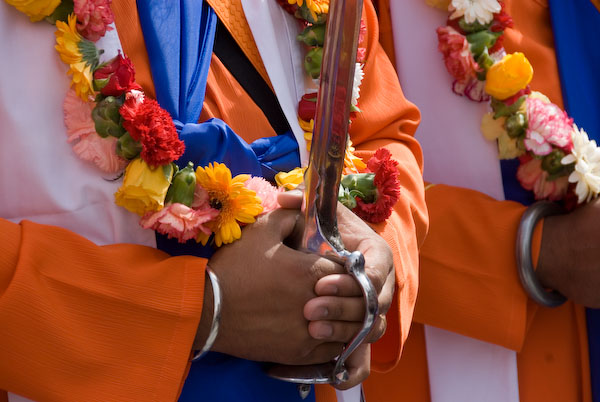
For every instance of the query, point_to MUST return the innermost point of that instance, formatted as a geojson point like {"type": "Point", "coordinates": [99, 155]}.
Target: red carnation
{"type": "Point", "coordinates": [502, 20]}
{"type": "Point", "coordinates": [388, 188]}
{"type": "Point", "coordinates": [153, 127]}
{"type": "Point", "coordinates": [307, 107]}
{"type": "Point", "coordinates": [117, 77]}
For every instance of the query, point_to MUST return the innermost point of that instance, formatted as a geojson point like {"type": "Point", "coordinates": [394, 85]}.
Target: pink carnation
{"type": "Point", "coordinates": [547, 125]}
{"type": "Point", "coordinates": [457, 54]}
{"type": "Point", "coordinates": [266, 192]}
{"type": "Point", "coordinates": [533, 178]}
{"type": "Point", "coordinates": [89, 146]}
{"type": "Point", "coordinates": [472, 88]}
{"type": "Point", "coordinates": [93, 18]}
{"type": "Point", "coordinates": [179, 221]}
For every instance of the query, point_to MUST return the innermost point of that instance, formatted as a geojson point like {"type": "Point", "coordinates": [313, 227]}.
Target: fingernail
{"type": "Point", "coordinates": [324, 331]}
{"type": "Point", "coordinates": [330, 290]}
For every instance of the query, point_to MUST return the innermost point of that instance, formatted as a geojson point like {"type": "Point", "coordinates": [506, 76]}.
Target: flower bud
{"type": "Point", "coordinates": [346, 198]}
{"type": "Point", "coordinates": [516, 125]}
{"type": "Point", "coordinates": [313, 35]}
{"type": "Point", "coordinates": [481, 40]}
{"type": "Point", "coordinates": [307, 107]}
{"type": "Point", "coordinates": [552, 162]}
{"type": "Point", "coordinates": [361, 185]}
{"type": "Point", "coordinates": [116, 77]}
{"type": "Point", "coordinates": [183, 186]}
{"type": "Point", "coordinates": [107, 118]}
{"type": "Point", "coordinates": [312, 62]}
{"type": "Point", "coordinates": [127, 147]}
{"type": "Point", "coordinates": [474, 26]}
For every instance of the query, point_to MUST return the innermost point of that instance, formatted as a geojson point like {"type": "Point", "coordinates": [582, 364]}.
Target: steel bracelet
{"type": "Point", "coordinates": [214, 326]}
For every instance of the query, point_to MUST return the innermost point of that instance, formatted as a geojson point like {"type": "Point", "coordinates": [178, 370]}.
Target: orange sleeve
{"type": "Point", "coordinates": [117, 319]}
{"type": "Point", "coordinates": [389, 120]}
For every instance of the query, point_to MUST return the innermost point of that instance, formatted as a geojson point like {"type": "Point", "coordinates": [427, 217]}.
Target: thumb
{"type": "Point", "coordinates": [290, 199]}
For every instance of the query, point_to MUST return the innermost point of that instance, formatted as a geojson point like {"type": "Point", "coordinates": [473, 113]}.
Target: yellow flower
{"type": "Point", "coordinates": [234, 201]}
{"type": "Point", "coordinates": [441, 4]}
{"type": "Point", "coordinates": [308, 127]}
{"type": "Point", "coordinates": [315, 6]}
{"type": "Point", "coordinates": [352, 163]}
{"type": "Point", "coordinates": [508, 76]}
{"type": "Point", "coordinates": [291, 179]}
{"type": "Point", "coordinates": [69, 45]}
{"type": "Point", "coordinates": [36, 10]}
{"type": "Point", "coordinates": [508, 148]}
{"type": "Point", "coordinates": [144, 189]}
{"type": "Point", "coordinates": [492, 128]}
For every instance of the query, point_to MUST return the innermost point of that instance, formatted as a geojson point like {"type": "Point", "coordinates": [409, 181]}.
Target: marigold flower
{"type": "Point", "coordinates": [36, 10]}
{"type": "Point", "coordinates": [236, 203]}
{"type": "Point", "coordinates": [316, 7]}
{"type": "Point", "coordinates": [80, 54]}
{"type": "Point", "coordinates": [508, 76]}
{"type": "Point", "coordinates": [144, 188]}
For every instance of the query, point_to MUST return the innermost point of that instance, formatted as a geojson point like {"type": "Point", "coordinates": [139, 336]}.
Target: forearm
{"type": "Point", "coordinates": [122, 316]}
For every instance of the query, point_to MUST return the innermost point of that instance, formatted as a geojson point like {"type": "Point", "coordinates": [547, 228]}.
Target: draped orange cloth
{"type": "Point", "coordinates": [123, 317]}
{"type": "Point", "coordinates": [469, 282]}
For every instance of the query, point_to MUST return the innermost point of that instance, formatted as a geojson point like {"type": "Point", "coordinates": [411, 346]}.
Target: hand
{"type": "Point", "coordinates": [265, 285]}
{"type": "Point", "coordinates": [569, 259]}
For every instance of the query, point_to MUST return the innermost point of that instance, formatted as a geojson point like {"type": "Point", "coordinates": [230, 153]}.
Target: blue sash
{"type": "Point", "coordinates": [179, 37]}
{"type": "Point", "coordinates": [575, 25]}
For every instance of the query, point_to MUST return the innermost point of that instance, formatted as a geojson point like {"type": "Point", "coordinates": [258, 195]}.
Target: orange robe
{"type": "Point", "coordinates": [469, 282]}
{"type": "Point", "coordinates": [122, 318]}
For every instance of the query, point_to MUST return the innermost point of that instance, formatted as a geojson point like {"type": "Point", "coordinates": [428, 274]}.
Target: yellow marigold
{"type": "Point", "coordinates": [36, 10]}
{"type": "Point", "coordinates": [69, 45]}
{"type": "Point", "coordinates": [308, 127]}
{"type": "Point", "coordinates": [290, 180]}
{"type": "Point", "coordinates": [315, 6]}
{"type": "Point", "coordinates": [508, 76]}
{"type": "Point", "coordinates": [144, 189]}
{"type": "Point", "coordinates": [235, 202]}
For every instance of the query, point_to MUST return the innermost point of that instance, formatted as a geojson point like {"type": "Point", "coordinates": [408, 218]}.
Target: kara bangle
{"type": "Point", "coordinates": [529, 280]}
{"type": "Point", "coordinates": [214, 326]}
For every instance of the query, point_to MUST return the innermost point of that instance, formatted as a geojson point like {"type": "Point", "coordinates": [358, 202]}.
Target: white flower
{"type": "Point", "coordinates": [475, 10]}
{"type": "Point", "coordinates": [586, 156]}
{"type": "Point", "coordinates": [358, 77]}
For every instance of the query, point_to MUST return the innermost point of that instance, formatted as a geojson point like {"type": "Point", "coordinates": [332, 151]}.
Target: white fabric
{"type": "Point", "coordinates": [275, 32]}
{"type": "Point", "coordinates": [460, 368]}
{"type": "Point", "coordinates": [42, 179]}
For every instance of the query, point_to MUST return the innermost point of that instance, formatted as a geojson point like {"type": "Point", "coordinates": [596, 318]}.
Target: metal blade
{"type": "Point", "coordinates": [330, 136]}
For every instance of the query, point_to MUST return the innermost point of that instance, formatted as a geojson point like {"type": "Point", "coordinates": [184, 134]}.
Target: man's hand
{"type": "Point", "coordinates": [569, 259]}
{"type": "Point", "coordinates": [265, 286]}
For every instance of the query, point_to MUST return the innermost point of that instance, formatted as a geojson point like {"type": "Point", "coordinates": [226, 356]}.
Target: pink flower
{"type": "Point", "coordinates": [533, 178]}
{"type": "Point", "coordinates": [266, 192]}
{"type": "Point", "coordinates": [472, 88]}
{"type": "Point", "coordinates": [179, 221]}
{"type": "Point", "coordinates": [93, 18]}
{"type": "Point", "coordinates": [89, 146]}
{"type": "Point", "coordinates": [457, 54]}
{"type": "Point", "coordinates": [547, 125]}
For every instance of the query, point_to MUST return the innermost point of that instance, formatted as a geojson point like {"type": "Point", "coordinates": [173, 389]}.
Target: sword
{"type": "Point", "coordinates": [322, 181]}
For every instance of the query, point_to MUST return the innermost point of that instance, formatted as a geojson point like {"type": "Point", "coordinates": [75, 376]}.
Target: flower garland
{"type": "Point", "coordinates": [113, 124]}
{"type": "Point", "coordinates": [558, 161]}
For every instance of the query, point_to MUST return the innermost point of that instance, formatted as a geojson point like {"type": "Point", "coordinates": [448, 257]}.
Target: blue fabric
{"type": "Point", "coordinates": [575, 25]}
{"type": "Point", "coordinates": [179, 36]}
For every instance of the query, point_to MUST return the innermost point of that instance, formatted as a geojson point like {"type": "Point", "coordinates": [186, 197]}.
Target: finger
{"type": "Point", "coordinates": [358, 366]}
{"type": "Point", "coordinates": [279, 223]}
{"type": "Point", "coordinates": [378, 329]}
{"type": "Point", "coordinates": [386, 296]}
{"type": "Point", "coordinates": [332, 308]}
{"type": "Point", "coordinates": [290, 199]}
{"type": "Point", "coordinates": [338, 285]}
{"type": "Point", "coordinates": [323, 353]}
{"type": "Point", "coordinates": [334, 331]}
